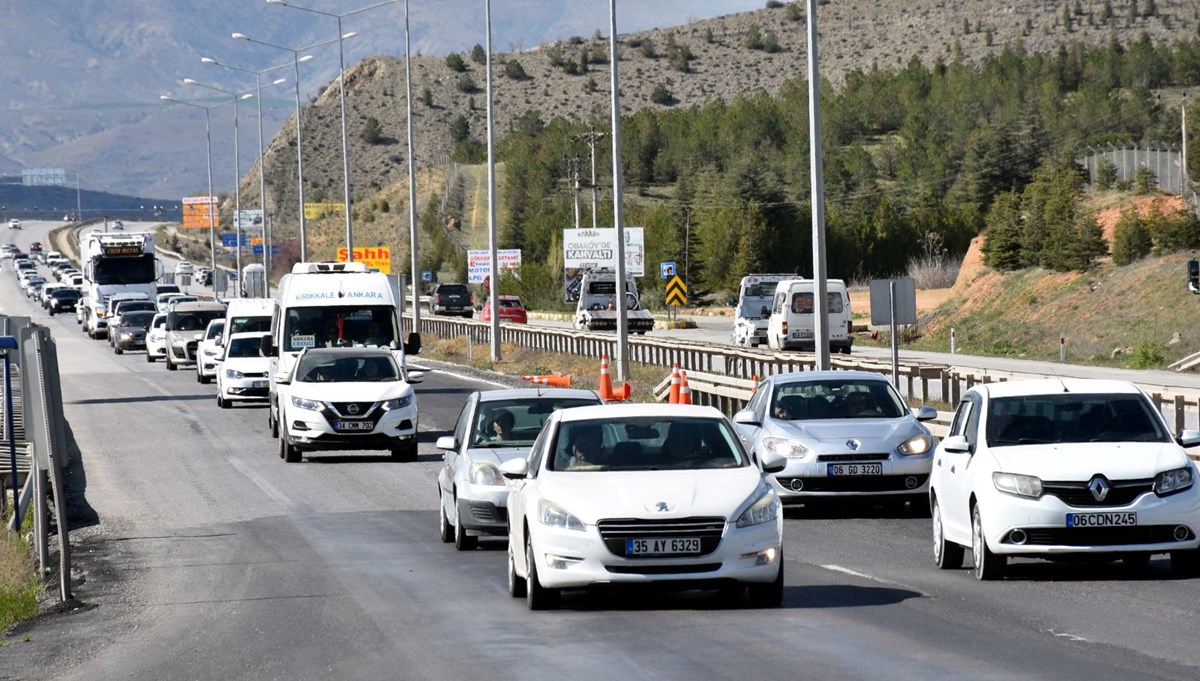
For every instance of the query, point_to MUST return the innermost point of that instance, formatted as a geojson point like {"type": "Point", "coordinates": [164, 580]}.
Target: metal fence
{"type": "Point", "coordinates": [1164, 161]}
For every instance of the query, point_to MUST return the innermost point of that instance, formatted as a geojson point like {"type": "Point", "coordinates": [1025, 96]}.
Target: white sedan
{"type": "Point", "coordinates": [207, 360]}
{"type": "Point", "coordinates": [1063, 469]}
{"type": "Point", "coordinates": [242, 370]}
{"type": "Point", "coordinates": [642, 494]}
{"type": "Point", "coordinates": [156, 337]}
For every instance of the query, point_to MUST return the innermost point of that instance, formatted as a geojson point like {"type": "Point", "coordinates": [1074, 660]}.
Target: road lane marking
{"type": "Point", "coordinates": [465, 377]}
{"type": "Point", "coordinates": [1071, 637]}
{"type": "Point", "coordinates": [863, 575]}
{"type": "Point", "coordinates": [262, 483]}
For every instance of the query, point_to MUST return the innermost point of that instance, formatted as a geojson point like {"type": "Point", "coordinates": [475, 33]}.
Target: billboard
{"type": "Point", "coordinates": [316, 211]}
{"type": "Point", "coordinates": [479, 263]}
{"type": "Point", "coordinates": [586, 249]}
{"type": "Point", "coordinates": [375, 257]}
{"type": "Point", "coordinates": [249, 219]}
{"type": "Point", "coordinates": [197, 211]}
{"type": "Point", "coordinates": [43, 177]}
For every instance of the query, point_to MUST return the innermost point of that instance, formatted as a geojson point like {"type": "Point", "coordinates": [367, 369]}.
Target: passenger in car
{"type": "Point", "coordinates": [502, 425]}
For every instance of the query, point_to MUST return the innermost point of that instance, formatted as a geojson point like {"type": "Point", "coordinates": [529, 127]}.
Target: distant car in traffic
{"type": "Point", "coordinates": [183, 267]}
{"type": "Point", "coordinates": [14, 224]}
{"type": "Point", "coordinates": [511, 310]}
{"type": "Point", "coordinates": [63, 300]}
{"type": "Point", "coordinates": [117, 224]}
{"type": "Point", "coordinates": [207, 362]}
{"type": "Point", "coordinates": [242, 373]}
{"type": "Point", "coordinates": [451, 299]}
{"type": "Point", "coordinates": [35, 247]}
{"type": "Point", "coordinates": [129, 331]}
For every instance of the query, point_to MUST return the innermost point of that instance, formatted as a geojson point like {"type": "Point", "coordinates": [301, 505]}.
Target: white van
{"type": "Point", "coordinates": [791, 323]}
{"type": "Point", "coordinates": [756, 293]}
{"type": "Point", "coordinates": [247, 315]}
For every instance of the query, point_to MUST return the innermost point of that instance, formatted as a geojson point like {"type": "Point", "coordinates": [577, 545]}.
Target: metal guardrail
{"type": "Point", "coordinates": [921, 382]}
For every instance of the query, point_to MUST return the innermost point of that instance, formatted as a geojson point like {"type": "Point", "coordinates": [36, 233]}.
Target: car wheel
{"type": "Point", "coordinates": [118, 350]}
{"type": "Point", "coordinates": [1186, 563]}
{"type": "Point", "coordinates": [988, 566]}
{"type": "Point", "coordinates": [946, 554]}
{"type": "Point", "coordinates": [272, 423]}
{"type": "Point", "coordinates": [149, 357]}
{"type": "Point", "coordinates": [462, 540]}
{"type": "Point", "coordinates": [205, 379]}
{"type": "Point", "coordinates": [288, 451]}
{"type": "Point", "coordinates": [768, 595]}
{"type": "Point", "coordinates": [170, 365]}
{"type": "Point", "coordinates": [223, 403]}
{"type": "Point", "coordinates": [537, 597]}
{"type": "Point", "coordinates": [405, 452]}
{"type": "Point", "coordinates": [516, 585]}
{"type": "Point", "coordinates": [51, 312]}
{"type": "Point", "coordinates": [445, 529]}
{"type": "Point", "coordinates": [199, 378]}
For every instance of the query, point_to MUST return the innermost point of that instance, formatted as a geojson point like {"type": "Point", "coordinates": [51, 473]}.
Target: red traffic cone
{"type": "Point", "coordinates": [674, 399]}
{"type": "Point", "coordinates": [685, 393]}
{"type": "Point", "coordinates": [754, 388]}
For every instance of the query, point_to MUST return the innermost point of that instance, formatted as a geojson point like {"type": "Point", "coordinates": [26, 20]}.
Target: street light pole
{"type": "Point", "coordinates": [342, 98]}
{"type": "Point", "coordinates": [493, 301]}
{"type": "Point", "coordinates": [816, 177]}
{"type": "Point", "coordinates": [212, 213]}
{"type": "Point", "coordinates": [622, 358]}
{"type": "Point", "coordinates": [412, 181]}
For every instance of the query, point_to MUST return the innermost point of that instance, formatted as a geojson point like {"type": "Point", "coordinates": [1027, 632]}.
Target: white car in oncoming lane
{"type": "Point", "coordinates": [642, 494]}
{"type": "Point", "coordinates": [1062, 469]}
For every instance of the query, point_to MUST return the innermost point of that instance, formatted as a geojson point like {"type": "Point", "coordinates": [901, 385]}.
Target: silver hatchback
{"type": "Point", "coordinates": [845, 434]}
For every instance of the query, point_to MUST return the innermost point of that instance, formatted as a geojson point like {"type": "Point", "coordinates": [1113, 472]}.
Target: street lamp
{"type": "Point", "coordinates": [237, 172]}
{"type": "Point", "coordinates": [212, 225]}
{"type": "Point", "coordinates": [342, 96]}
{"type": "Point", "coordinates": [494, 281]}
{"type": "Point", "coordinates": [296, 61]}
{"type": "Point", "coordinates": [262, 171]}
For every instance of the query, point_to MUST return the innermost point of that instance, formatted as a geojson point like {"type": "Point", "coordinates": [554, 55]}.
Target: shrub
{"type": "Point", "coordinates": [370, 132]}
{"type": "Point", "coordinates": [1106, 174]}
{"type": "Point", "coordinates": [1144, 181]}
{"type": "Point", "coordinates": [774, 4]}
{"type": "Point", "coordinates": [427, 97]}
{"type": "Point", "coordinates": [794, 11]}
{"type": "Point", "coordinates": [460, 128]}
{"type": "Point", "coordinates": [647, 49]}
{"type": "Point", "coordinates": [514, 70]}
{"type": "Point", "coordinates": [1179, 231]}
{"type": "Point", "coordinates": [771, 43]}
{"type": "Point", "coordinates": [478, 54]}
{"type": "Point", "coordinates": [466, 84]}
{"type": "Point", "coordinates": [754, 39]}
{"type": "Point", "coordinates": [661, 95]}
{"type": "Point", "coordinates": [1147, 354]}
{"type": "Point", "coordinates": [1131, 239]}
{"type": "Point", "coordinates": [455, 61]}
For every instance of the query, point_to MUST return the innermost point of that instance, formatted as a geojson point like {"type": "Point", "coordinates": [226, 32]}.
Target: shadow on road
{"type": "Point", "coordinates": [145, 398]}
{"type": "Point", "coordinates": [80, 513]}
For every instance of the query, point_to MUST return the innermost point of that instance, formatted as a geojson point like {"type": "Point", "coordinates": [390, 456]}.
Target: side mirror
{"type": "Point", "coordinates": [282, 378]}
{"type": "Point", "coordinates": [447, 442]}
{"type": "Point", "coordinates": [772, 462]}
{"type": "Point", "coordinates": [515, 469]}
{"type": "Point", "coordinates": [416, 376]}
{"type": "Point", "coordinates": [413, 345]}
{"type": "Point", "coordinates": [926, 413]}
{"type": "Point", "coordinates": [747, 417]}
{"type": "Point", "coordinates": [1189, 438]}
{"type": "Point", "coordinates": [1193, 283]}
{"type": "Point", "coordinates": [267, 348]}
{"type": "Point", "coordinates": [956, 444]}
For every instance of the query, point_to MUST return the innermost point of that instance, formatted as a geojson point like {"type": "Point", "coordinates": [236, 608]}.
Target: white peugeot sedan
{"type": "Point", "coordinates": [1062, 470]}
{"type": "Point", "coordinates": [844, 434]}
{"type": "Point", "coordinates": [207, 360]}
{"type": "Point", "coordinates": [342, 399]}
{"type": "Point", "coordinates": [493, 427]}
{"type": "Point", "coordinates": [242, 370]}
{"type": "Point", "coordinates": [642, 494]}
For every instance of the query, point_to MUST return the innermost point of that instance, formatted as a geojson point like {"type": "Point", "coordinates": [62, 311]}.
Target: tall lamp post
{"type": "Point", "coordinates": [212, 213]}
{"type": "Point", "coordinates": [342, 97]}
{"type": "Point", "coordinates": [412, 180]}
{"type": "Point", "coordinates": [493, 301]}
{"type": "Point", "coordinates": [237, 172]}
{"type": "Point", "coordinates": [262, 171]}
{"type": "Point", "coordinates": [296, 61]}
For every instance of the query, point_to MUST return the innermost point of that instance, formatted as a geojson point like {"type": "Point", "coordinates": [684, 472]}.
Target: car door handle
{"type": "Point", "coordinates": [952, 469]}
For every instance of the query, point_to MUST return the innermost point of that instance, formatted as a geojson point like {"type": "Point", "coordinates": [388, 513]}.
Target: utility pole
{"type": "Point", "coordinates": [573, 175]}
{"type": "Point", "coordinates": [591, 137]}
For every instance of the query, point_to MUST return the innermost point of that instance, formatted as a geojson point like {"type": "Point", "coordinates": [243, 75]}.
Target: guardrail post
{"type": "Point", "coordinates": [1179, 414]}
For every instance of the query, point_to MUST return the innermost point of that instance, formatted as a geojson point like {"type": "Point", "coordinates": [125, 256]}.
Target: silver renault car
{"type": "Point", "coordinates": [845, 434]}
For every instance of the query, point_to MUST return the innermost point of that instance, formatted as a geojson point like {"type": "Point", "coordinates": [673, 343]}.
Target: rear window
{"type": "Point", "coordinates": [453, 289]}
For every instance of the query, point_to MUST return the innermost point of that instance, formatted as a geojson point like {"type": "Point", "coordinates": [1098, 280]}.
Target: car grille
{"type": "Point", "coordinates": [615, 532]}
{"type": "Point", "coordinates": [1121, 493]}
{"type": "Point", "coordinates": [353, 410]}
{"type": "Point", "coordinates": [852, 457]}
{"type": "Point", "coordinates": [662, 569]}
{"type": "Point", "coordinates": [855, 483]}
{"type": "Point", "coordinates": [254, 374]}
{"type": "Point", "coordinates": [485, 512]}
{"type": "Point", "coordinates": [1101, 536]}
{"type": "Point", "coordinates": [191, 350]}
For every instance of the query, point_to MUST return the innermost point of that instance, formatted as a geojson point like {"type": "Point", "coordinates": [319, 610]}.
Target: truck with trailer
{"type": "Point", "coordinates": [115, 264]}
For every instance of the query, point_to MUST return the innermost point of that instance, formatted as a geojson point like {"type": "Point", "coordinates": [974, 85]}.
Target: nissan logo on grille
{"type": "Point", "coordinates": [1099, 487]}
{"type": "Point", "coordinates": [352, 409]}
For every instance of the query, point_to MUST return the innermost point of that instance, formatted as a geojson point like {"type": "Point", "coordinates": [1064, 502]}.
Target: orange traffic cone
{"type": "Point", "coordinates": [556, 381]}
{"type": "Point", "coordinates": [674, 399]}
{"type": "Point", "coordinates": [606, 387]}
{"type": "Point", "coordinates": [685, 393]}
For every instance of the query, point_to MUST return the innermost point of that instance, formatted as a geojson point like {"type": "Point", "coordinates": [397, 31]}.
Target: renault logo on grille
{"type": "Point", "coordinates": [1099, 487]}
{"type": "Point", "coordinates": [853, 445]}
{"type": "Point", "coordinates": [352, 409]}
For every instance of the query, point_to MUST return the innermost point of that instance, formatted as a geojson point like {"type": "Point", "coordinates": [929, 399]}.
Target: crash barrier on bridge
{"type": "Point", "coordinates": [38, 393]}
{"type": "Point", "coordinates": [921, 382]}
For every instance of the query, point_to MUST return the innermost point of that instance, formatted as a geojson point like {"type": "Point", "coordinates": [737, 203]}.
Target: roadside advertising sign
{"type": "Point", "coordinates": [316, 211]}
{"type": "Point", "coordinates": [250, 219]}
{"type": "Point", "coordinates": [196, 212]}
{"type": "Point", "coordinates": [587, 249]}
{"type": "Point", "coordinates": [479, 263]}
{"type": "Point", "coordinates": [375, 257]}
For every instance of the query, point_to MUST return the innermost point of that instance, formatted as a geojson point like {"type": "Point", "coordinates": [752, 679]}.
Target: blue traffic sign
{"type": "Point", "coordinates": [427, 276]}
{"type": "Point", "coordinates": [258, 250]}
{"type": "Point", "coordinates": [229, 240]}
{"type": "Point", "coordinates": [666, 270]}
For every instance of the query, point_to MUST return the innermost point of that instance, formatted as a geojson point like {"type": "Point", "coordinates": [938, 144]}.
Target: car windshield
{"type": "Point", "coordinates": [836, 399]}
{"type": "Point", "coordinates": [1072, 417]}
{"type": "Point", "coordinates": [334, 326]}
{"type": "Point", "coordinates": [250, 324]}
{"type": "Point", "coordinates": [137, 270]}
{"type": "Point", "coordinates": [141, 319]}
{"type": "Point", "coordinates": [323, 368]}
{"type": "Point", "coordinates": [214, 330]}
{"type": "Point", "coordinates": [193, 321]}
{"type": "Point", "coordinates": [66, 293]}
{"type": "Point", "coordinates": [646, 443]}
{"type": "Point", "coordinates": [244, 347]}
{"type": "Point", "coordinates": [517, 422]}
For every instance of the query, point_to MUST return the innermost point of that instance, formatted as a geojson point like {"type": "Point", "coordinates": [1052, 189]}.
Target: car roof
{"type": "Point", "coordinates": [347, 352]}
{"type": "Point", "coordinates": [628, 411]}
{"type": "Point", "coordinates": [536, 393]}
{"type": "Point", "coordinates": [1049, 386]}
{"type": "Point", "coordinates": [248, 334]}
{"type": "Point", "coordinates": [198, 307]}
{"type": "Point", "coordinates": [834, 374]}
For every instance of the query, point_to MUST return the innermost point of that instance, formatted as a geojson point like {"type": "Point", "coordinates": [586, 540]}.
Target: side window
{"type": "Point", "coordinates": [464, 421]}
{"type": "Point", "coordinates": [538, 452]}
{"type": "Point", "coordinates": [972, 427]}
{"type": "Point", "coordinates": [758, 402]}
{"type": "Point", "coordinates": [960, 418]}
{"type": "Point", "coordinates": [780, 298]}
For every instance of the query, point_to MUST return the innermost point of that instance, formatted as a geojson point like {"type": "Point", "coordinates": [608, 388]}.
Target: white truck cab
{"type": "Point", "coordinates": [791, 326]}
{"type": "Point", "coordinates": [596, 308]}
{"type": "Point", "coordinates": [756, 293]}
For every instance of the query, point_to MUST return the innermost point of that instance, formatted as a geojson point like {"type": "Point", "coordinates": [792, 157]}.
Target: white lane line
{"type": "Point", "coordinates": [465, 377]}
{"type": "Point", "coordinates": [863, 575]}
{"type": "Point", "coordinates": [269, 489]}
{"type": "Point", "coordinates": [1071, 637]}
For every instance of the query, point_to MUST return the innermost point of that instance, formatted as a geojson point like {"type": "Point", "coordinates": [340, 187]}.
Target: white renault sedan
{"type": "Point", "coordinates": [493, 427]}
{"type": "Point", "coordinates": [1063, 469]}
{"type": "Point", "coordinates": [642, 494]}
{"type": "Point", "coordinates": [242, 370]}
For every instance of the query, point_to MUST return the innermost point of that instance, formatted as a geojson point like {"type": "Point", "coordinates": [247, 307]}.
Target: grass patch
{"type": "Point", "coordinates": [19, 583]}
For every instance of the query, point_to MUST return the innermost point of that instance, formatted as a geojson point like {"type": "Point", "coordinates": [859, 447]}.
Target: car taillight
{"type": "Point", "coordinates": [849, 326]}
{"type": "Point", "coordinates": [784, 328]}
{"type": "Point", "coordinates": [471, 298]}
{"type": "Point", "coordinates": [437, 298]}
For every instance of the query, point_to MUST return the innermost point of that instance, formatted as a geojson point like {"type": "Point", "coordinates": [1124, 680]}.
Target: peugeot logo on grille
{"type": "Point", "coordinates": [662, 507]}
{"type": "Point", "coordinates": [1099, 487]}
{"type": "Point", "coordinates": [352, 409]}
{"type": "Point", "coordinates": [853, 445]}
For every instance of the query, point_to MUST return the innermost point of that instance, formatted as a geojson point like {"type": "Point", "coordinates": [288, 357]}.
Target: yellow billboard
{"type": "Point", "coordinates": [197, 211]}
{"type": "Point", "coordinates": [375, 257]}
{"type": "Point", "coordinates": [316, 211]}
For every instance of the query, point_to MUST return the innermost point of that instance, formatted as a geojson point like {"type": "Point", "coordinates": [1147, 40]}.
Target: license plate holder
{"type": "Point", "coordinates": [258, 385]}
{"type": "Point", "coordinates": [844, 469]}
{"type": "Point", "coordinates": [1110, 519]}
{"type": "Point", "coordinates": [662, 546]}
{"type": "Point", "coordinates": [354, 426]}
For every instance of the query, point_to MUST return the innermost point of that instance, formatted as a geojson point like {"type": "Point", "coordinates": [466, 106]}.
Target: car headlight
{"type": "Point", "coordinates": [1170, 482]}
{"type": "Point", "coordinates": [126, 336]}
{"type": "Point", "coordinates": [783, 447]}
{"type": "Point", "coordinates": [235, 374]}
{"type": "Point", "coordinates": [1020, 485]}
{"type": "Point", "coordinates": [764, 508]}
{"type": "Point", "coordinates": [486, 473]}
{"type": "Point", "coordinates": [553, 516]}
{"type": "Point", "coordinates": [311, 405]}
{"type": "Point", "coordinates": [100, 312]}
{"type": "Point", "coordinates": [398, 403]}
{"type": "Point", "coordinates": [916, 445]}
{"type": "Point", "coordinates": [176, 338]}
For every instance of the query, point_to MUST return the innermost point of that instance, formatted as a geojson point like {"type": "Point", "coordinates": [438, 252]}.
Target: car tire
{"type": "Point", "coordinates": [272, 424]}
{"type": "Point", "coordinates": [406, 452]}
{"type": "Point", "coordinates": [537, 597]}
{"type": "Point", "coordinates": [170, 365]}
{"type": "Point", "coordinates": [203, 379]}
{"type": "Point", "coordinates": [516, 585]}
{"type": "Point", "coordinates": [988, 566]}
{"type": "Point", "coordinates": [118, 350]}
{"type": "Point", "coordinates": [768, 595]}
{"type": "Point", "coordinates": [445, 529]}
{"type": "Point", "coordinates": [223, 403]}
{"type": "Point", "coordinates": [1186, 563]}
{"type": "Point", "coordinates": [946, 554]}
{"type": "Point", "coordinates": [288, 451]}
{"type": "Point", "coordinates": [462, 540]}
{"type": "Point", "coordinates": [51, 312]}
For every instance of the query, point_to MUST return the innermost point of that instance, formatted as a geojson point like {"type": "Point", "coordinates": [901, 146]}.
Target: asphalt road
{"type": "Point", "coordinates": [200, 555]}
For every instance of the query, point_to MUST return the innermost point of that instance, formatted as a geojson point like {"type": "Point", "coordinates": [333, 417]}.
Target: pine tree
{"type": "Point", "coordinates": [1131, 239]}
{"type": "Point", "coordinates": [1001, 247]}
